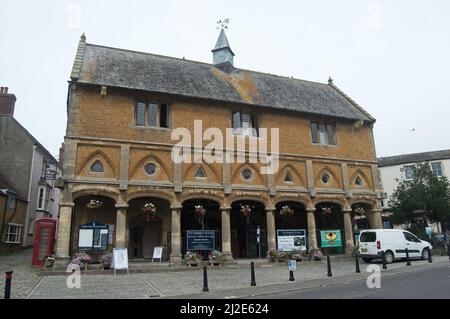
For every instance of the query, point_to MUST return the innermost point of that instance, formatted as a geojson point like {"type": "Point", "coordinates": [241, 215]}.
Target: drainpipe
{"type": "Point", "coordinates": [4, 216]}
{"type": "Point", "coordinates": [29, 196]}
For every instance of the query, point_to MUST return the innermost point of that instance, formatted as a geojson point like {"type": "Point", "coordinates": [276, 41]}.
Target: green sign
{"type": "Point", "coordinates": [331, 238]}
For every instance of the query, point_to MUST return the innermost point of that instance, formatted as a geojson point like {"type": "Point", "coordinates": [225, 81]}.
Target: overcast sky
{"type": "Point", "coordinates": [392, 57]}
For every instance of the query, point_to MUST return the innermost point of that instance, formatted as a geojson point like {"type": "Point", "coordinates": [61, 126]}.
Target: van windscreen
{"type": "Point", "coordinates": [368, 237]}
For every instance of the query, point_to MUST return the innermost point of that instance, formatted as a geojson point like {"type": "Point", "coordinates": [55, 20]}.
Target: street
{"type": "Point", "coordinates": [433, 283]}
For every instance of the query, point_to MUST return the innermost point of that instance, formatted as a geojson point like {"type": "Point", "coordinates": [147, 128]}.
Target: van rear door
{"type": "Point", "coordinates": [368, 243]}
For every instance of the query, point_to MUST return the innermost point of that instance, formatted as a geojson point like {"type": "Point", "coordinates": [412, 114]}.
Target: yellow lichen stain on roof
{"type": "Point", "coordinates": [241, 81]}
{"type": "Point", "coordinates": [88, 69]}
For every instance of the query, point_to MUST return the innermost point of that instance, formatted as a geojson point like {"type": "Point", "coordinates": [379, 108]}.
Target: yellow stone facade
{"type": "Point", "coordinates": [101, 128]}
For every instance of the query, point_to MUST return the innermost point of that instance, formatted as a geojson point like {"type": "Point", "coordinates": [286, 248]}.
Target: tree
{"type": "Point", "coordinates": [425, 193]}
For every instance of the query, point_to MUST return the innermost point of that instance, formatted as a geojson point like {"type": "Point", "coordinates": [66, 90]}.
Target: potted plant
{"type": "Point", "coordinates": [81, 260]}
{"type": "Point", "coordinates": [215, 257]}
{"type": "Point", "coordinates": [315, 254]}
{"type": "Point", "coordinates": [296, 255]}
{"type": "Point", "coordinates": [192, 258]}
{"type": "Point", "coordinates": [49, 261]}
{"type": "Point", "coordinates": [106, 260]}
{"type": "Point", "coordinates": [278, 256]}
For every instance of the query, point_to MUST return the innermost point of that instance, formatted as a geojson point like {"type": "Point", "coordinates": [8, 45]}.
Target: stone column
{"type": "Point", "coordinates": [312, 232]}
{"type": "Point", "coordinates": [121, 224]}
{"type": "Point", "coordinates": [175, 251]}
{"type": "Point", "coordinates": [226, 234]}
{"type": "Point", "coordinates": [376, 221]}
{"type": "Point", "coordinates": [271, 241]}
{"type": "Point", "coordinates": [64, 227]}
{"type": "Point", "coordinates": [349, 245]}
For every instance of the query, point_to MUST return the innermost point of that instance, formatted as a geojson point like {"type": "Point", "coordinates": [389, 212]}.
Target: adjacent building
{"type": "Point", "coordinates": [394, 169]}
{"type": "Point", "coordinates": [28, 175]}
{"type": "Point", "coordinates": [124, 108]}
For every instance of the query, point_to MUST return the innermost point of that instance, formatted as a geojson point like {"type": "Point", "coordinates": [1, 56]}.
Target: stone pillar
{"type": "Point", "coordinates": [121, 224]}
{"type": "Point", "coordinates": [312, 232]}
{"type": "Point", "coordinates": [64, 227]}
{"type": "Point", "coordinates": [349, 245]}
{"type": "Point", "coordinates": [376, 220]}
{"type": "Point", "coordinates": [226, 234]}
{"type": "Point", "coordinates": [175, 251]}
{"type": "Point", "coordinates": [271, 241]}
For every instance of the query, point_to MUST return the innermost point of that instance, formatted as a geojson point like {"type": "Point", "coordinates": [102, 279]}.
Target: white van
{"type": "Point", "coordinates": [393, 242]}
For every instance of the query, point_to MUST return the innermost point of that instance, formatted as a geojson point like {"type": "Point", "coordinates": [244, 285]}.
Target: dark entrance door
{"type": "Point", "coordinates": [136, 241]}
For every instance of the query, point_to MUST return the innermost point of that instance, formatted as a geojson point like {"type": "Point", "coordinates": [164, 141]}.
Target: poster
{"type": "Point", "coordinates": [85, 237]}
{"type": "Point", "coordinates": [157, 253]}
{"type": "Point", "coordinates": [331, 238]}
{"type": "Point", "coordinates": [93, 236]}
{"type": "Point", "coordinates": [120, 258]}
{"type": "Point", "coordinates": [291, 239]}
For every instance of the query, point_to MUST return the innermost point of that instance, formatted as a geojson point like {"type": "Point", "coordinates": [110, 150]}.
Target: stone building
{"type": "Point", "coordinates": [29, 173]}
{"type": "Point", "coordinates": [123, 107]}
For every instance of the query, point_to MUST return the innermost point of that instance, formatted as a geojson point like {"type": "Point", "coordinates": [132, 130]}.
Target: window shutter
{"type": "Point", "coordinates": [330, 131]}
{"type": "Point", "coordinates": [314, 134]}
{"type": "Point", "coordinates": [152, 114]}
{"type": "Point", "coordinates": [140, 114]}
{"type": "Point", "coordinates": [236, 121]}
{"type": "Point", "coordinates": [255, 124]}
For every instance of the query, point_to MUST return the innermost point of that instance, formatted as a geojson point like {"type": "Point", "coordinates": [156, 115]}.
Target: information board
{"type": "Point", "coordinates": [200, 240]}
{"type": "Point", "coordinates": [157, 253]}
{"type": "Point", "coordinates": [331, 238]}
{"type": "Point", "coordinates": [120, 258]}
{"type": "Point", "coordinates": [291, 239]}
{"type": "Point", "coordinates": [93, 236]}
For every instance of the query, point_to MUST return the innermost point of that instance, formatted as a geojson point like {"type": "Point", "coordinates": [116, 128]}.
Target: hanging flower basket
{"type": "Point", "coordinates": [200, 212]}
{"type": "Point", "coordinates": [94, 204]}
{"type": "Point", "coordinates": [326, 210]}
{"type": "Point", "coordinates": [246, 210]}
{"type": "Point", "coordinates": [286, 211]}
{"type": "Point", "coordinates": [150, 212]}
{"type": "Point", "coordinates": [359, 211]}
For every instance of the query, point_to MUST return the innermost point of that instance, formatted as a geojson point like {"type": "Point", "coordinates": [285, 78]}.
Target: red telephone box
{"type": "Point", "coordinates": [44, 237]}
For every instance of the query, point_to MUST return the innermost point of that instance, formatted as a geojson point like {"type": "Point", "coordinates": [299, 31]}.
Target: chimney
{"type": "Point", "coordinates": [61, 155]}
{"type": "Point", "coordinates": [7, 102]}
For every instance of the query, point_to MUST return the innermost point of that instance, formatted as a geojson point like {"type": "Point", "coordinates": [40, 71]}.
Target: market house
{"type": "Point", "coordinates": [122, 107]}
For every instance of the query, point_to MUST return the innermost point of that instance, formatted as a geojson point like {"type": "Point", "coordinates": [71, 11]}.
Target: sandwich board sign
{"type": "Point", "coordinates": [120, 259]}
{"type": "Point", "coordinates": [157, 253]}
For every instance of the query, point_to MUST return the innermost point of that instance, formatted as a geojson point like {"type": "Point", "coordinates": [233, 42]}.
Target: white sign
{"type": "Point", "coordinates": [120, 258]}
{"type": "Point", "coordinates": [291, 239]}
{"type": "Point", "coordinates": [85, 238]}
{"type": "Point", "coordinates": [292, 265]}
{"type": "Point", "coordinates": [157, 253]}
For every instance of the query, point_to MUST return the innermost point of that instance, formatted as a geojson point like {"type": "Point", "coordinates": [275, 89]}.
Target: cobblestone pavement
{"type": "Point", "coordinates": [166, 284]}
{"type": "Point", "coordinates": [25, 278]}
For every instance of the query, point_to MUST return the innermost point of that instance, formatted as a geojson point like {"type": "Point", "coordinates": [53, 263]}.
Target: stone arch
{"type": "Point", "coordinates": [336, 201]}
{"type": "Point", "coordinates": [149, 158]}
{"type": "Point", "coordinates": [215, 198]}
{"type": "Point", "coordinates": [302, 201]}
{"type": "Point", "coordinates": [108, 192]}
{"type": "Point", "coordinates": [255, 169]}
{"type": "Point", "coordinates": [153, 193]}
{"type": "Point", "coordinates": [293, 171]}
{"type": "Point", "coordinates": [363, 176]}
{"type": "Point", "coordinates": [208, 168]}
{"type": "Point", "coordinates": [330, 171]}
{"type": "Point", "coordinates": [97, 155]}
{"type": "Point", "coordinates": [367, 201]}
{"type": "Point", "coordinates": [254, 198]}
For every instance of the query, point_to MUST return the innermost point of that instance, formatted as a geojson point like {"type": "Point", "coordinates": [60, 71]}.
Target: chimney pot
{"type": "Point", "coordinates": [6, 90]}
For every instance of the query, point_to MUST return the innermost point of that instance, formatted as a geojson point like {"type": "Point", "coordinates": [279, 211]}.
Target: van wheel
{"type": "Point", "coordinates": [389, 256]}
{"type": "Point", "coordinates": [367, 260]}
{"type": "Point", "coordinates": [425, 253]}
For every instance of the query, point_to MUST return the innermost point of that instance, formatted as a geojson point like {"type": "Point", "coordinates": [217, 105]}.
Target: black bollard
{"type": "Point", "coordinates": [205, 279]}
{"type": "Point", "coordinates": [252, 279]}
{"type": "Point", "coordinates": [383, 255]}
{"type": "Point", "coordinates": [329, 274]}
{"type": "Point", "coordinates": [357, 263]}
{"type": "Point", "coordinates": [430, 259]}
{"type": "Point", "coordinates": [448, 251]}
{"type": "Point", "coordinates": [8, 279]}
{"type": "Point", "coordinates": [408, 262]}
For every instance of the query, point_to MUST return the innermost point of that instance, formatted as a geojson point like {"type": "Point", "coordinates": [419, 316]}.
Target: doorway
{"type": "Point", "coordinates": [136, 241]}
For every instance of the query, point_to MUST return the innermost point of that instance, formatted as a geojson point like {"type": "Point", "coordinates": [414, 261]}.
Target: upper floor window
{"type": "Point", "coordinates": [322, 133]}
{"type": "Point", "coordinates": [245, 124]}
{"type": "Point", "coordinates": [97, 167]}
{"type": "Point", "coordinates": [11, 201]}
{"type": "Point", "coordinates": [409, 172]}
{"type": "Point", "coordinates": [151, 114]}
{"type": "Point", "coordinates": [41, 198]}
{"type": "Point", "coordinates": [437, 168]}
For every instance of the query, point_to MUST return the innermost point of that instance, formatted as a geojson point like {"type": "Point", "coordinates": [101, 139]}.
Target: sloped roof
{"type": "Point", "coordinates": [413, 158]}
{"type": "Point", "coordinates": [100, 65]}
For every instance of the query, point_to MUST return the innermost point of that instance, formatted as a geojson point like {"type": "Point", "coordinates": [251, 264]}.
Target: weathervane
{"type": "Point", "coordinates": [223, 24]}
